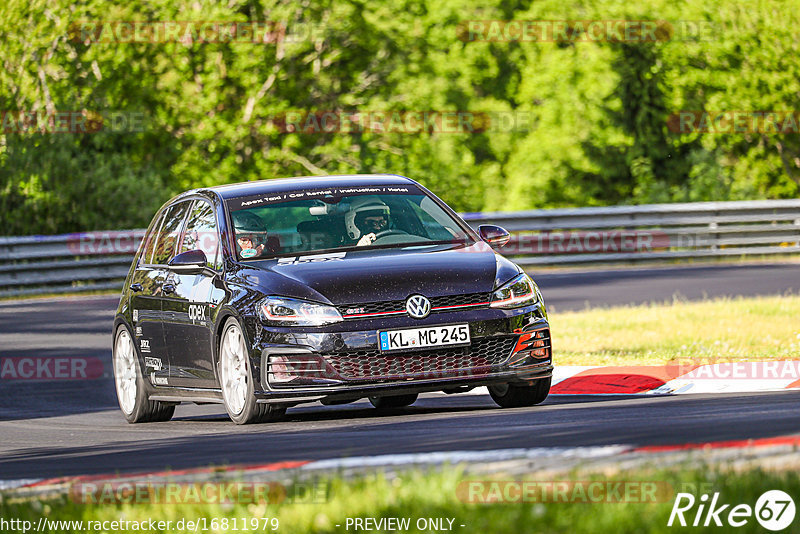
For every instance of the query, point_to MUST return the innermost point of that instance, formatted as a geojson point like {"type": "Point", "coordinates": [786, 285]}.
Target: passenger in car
{"type": "Point", "coordinates": [251, 235]}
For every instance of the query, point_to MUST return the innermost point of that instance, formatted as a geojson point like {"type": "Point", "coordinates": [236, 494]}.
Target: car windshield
{"type": "Point", "coordinates": [310, 221]}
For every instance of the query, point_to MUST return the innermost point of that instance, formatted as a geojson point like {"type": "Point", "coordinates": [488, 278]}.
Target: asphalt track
{"type": "Point", "coordinates": [60, 427]}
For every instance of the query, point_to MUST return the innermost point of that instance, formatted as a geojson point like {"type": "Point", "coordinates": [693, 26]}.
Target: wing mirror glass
{"type": "Point", "coordinates": [494, 235]}
{"type": "Point", "coordinates": [190, 262]}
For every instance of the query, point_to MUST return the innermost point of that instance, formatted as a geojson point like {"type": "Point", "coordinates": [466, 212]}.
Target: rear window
{"type": "Point", "coordinates": [201, 233]}
{"type": "Point", "coordinates": [169, 234]}
{"type": "Point", "coordinates": [150, 240]}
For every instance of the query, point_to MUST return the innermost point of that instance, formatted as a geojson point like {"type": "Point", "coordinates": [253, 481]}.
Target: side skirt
{"type": "Point", "coordinates": [206, 396]}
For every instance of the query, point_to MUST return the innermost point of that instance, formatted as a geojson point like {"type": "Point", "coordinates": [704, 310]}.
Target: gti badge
{"type": "Point", "coordinates": [418, 306]}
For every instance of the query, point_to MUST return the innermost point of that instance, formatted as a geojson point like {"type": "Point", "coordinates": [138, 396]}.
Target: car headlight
{"type": "Point", "coordinates": [286, 311]}
{"type": "Point", "coordinates": [520, 291]}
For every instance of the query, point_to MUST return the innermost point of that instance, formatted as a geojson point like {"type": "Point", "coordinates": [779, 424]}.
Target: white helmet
{"type": "Point", "coordinates": [360, 208]}
{"type": "Point", "coordinates": [250, 226]}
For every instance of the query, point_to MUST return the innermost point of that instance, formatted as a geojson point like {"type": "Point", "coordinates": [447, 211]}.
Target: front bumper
{"type": "Point", "coordinates": [344, 362]}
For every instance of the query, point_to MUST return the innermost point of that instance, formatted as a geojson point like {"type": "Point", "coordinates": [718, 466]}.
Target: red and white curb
{"type": "Point", "coordinates": [333, 465]}
{"type": "Point", "coordinates": [668, 379]}
{"type": "Point", "coordinates": [542, 458]}
{"type": "Point", "coordinates": [727, 377]}
{"type": "Point", "coordinates": [673, 379]}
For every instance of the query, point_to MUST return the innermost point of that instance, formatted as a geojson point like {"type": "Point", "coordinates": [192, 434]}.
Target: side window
{"type": "Point", "coordinates": [170, 232]}
{"type": "Point", "coordinates": [150, 241]}
{"type": "Point", "coordinates": [201, 233]}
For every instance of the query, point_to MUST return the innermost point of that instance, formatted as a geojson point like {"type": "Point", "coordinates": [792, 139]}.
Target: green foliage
{"type": "Point", "coordinates": [599, 110]}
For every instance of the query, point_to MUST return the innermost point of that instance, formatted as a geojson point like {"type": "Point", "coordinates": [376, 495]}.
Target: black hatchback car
{"type": "Point", "coordinates": [264, 295]}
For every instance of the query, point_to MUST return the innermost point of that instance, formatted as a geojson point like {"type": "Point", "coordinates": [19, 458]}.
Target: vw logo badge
{"type": "Point", "coordinates": [418, 306]}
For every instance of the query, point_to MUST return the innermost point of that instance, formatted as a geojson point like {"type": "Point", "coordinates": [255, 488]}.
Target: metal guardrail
{"type": "Point", "coordinates": [649, 232]}
{"type": "Point", "coordinates": [574, 236]}
{"type": "Point", "coordinates": [87, 261]}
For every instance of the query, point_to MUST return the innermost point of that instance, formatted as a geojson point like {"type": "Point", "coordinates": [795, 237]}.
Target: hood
{"type": "Point", "coordinates": [383, 274]}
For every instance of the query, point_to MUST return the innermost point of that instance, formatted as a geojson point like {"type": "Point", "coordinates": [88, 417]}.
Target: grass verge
{"type": "Point", "coordinates": [443, 495]}
{"type": "Point", "coordinates": [62, 295]}
{"type": "Point", "coordinates": [732, 329]}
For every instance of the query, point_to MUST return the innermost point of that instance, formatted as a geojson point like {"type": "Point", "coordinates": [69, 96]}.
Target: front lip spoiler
{"type": "Point", "coordinates": [361, 390]}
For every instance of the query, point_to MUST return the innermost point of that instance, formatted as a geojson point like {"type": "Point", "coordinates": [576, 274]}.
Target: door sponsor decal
{"type": "Point", "coordinates": [198, 313]}
{"type": "Point", "coordinates": [158, 380]}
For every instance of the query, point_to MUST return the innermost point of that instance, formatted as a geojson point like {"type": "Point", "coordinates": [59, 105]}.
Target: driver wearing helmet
{"type": "Point", "coordinates": [367, 217]}
{"type": "Point", "coordinates": [250, 234]}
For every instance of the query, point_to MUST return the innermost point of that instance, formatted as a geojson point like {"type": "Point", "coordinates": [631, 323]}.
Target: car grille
{"type": "Point", "coordinates": [475, 359]}
{"type": "Point", "coordinates": [358, 311]}
{"type": "Point", "coordinates": [461, 300]}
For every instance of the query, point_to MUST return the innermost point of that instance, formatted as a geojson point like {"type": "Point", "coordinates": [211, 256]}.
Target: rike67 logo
{"type": "Point", "coordinates": [774, 510]}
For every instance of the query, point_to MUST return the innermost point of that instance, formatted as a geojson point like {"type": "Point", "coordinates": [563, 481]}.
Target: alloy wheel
{"type": "Point", "coordinates": [233, 358]}
{"type": "Point", "coordinates": [125, 371]}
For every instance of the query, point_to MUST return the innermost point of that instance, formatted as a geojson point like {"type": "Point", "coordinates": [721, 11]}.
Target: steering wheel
{"type": "Point", "coordinates": [386, 233]}
{"type": "Point", "coordinates": [394, 236]}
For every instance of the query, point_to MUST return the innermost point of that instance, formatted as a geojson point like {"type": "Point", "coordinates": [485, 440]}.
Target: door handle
{"type": "Point", "coordinates": [136, 287]}
{"type": "Point", "coordinates": [168, 288]}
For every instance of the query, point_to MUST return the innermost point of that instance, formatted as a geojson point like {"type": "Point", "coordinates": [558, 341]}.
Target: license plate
{"type": "Point", "coordinates": [431, 336]}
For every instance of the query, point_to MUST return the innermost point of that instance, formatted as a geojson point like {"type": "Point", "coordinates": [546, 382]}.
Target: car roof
{"type": "Point", "coordinates": [281, 185]}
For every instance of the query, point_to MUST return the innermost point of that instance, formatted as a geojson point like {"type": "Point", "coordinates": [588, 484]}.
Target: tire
{"type": "Point", "coordinates": [130, 386]}
{"type": "Point", "coordinates": [395, 401]}
{"type": "Point", "coordinates": [516, 396]}
{"type": "Point", "coordinates": [236, 379]}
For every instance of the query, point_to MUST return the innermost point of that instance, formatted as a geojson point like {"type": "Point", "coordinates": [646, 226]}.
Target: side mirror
{"type": "Point", "coordinates": [494, 235]}
{"type": "Point", "coordinates": [189, 262]}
